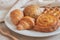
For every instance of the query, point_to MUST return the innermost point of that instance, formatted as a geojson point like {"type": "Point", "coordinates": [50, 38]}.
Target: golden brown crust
{"type": "Point", "coordinates": [48, 29]}
{"type": "Point", "coordinates": [46, 23]}
{"type": "Point", "coordinates": [26, 22]}
{"type": "Point", "coordinates": [23, 25]}
{"type": "Point", "coordinates": [55, 11]}
{"type": "Point", "coordinates": [32, 11]}
{"type": "Point", "coordinates": [29, 20]}
{"type": "Point", "coordinates": [16, 15]}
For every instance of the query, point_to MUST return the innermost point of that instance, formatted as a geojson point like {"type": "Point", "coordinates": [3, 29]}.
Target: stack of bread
{"type": "Point", "coordinates": [32, 19]}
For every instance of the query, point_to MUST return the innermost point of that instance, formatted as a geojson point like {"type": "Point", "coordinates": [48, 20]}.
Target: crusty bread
{"type": "Point", "coordinates": [16, 15]}
{"type": "Point", "coordinates": [32, 11]}
{"type": "Point", "coordinates": [26, 23]}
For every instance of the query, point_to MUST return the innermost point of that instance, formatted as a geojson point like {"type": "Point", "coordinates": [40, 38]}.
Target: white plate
{"type": "Point", "coordinates": [27, 32]}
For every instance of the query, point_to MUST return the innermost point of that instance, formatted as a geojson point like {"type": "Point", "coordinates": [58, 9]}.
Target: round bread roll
{"type": "Point", "coordinates": [26, 23]}
{"type": "Point", "coordinates": [16, 15]}
{"type": "Point", "coordinates": [32, 11]}
{"type": "Point", "coordinates": [46, 23]}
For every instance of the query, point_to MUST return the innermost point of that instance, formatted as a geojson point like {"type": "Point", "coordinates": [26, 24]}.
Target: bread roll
{"type": "Point", "coordinates": [16, 15]}
{"type": "Point", "coordinates": [26, 23]}
{"type": "Point", "coordinates": [32, 11]}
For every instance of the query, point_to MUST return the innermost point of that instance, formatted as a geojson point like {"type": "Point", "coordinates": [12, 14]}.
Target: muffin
{"type": "Point", "coordinates": [46, 23]}
{"type": "Point", "coordinates": [16, 15]}
{"type": "Point", "coordinates": [26, 23]}
{"type": "Point", "coordinates": [32, 11]}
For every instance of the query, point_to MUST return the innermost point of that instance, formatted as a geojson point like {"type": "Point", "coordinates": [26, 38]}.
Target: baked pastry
{"type": "Point", "coordinates": [32, 11]}
{"type": "Point", "coordinates": [16, 15]}
{"type": "Point", "coordinates": [26, 23]}
{"type": "Point", "coordinates": [46, 23]}
{"type": "Point", "coordinates": [55, 11]}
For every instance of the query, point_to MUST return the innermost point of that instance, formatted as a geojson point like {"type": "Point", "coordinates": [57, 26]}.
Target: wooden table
{"type": "Point", "coordinates": [21, 37]}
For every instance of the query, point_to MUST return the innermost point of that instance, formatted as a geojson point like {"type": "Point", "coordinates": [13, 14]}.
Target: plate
{"type": "Point", "coordinates": [31, 33]}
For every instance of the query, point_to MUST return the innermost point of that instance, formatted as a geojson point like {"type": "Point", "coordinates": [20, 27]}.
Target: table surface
{"type": "Point", "coordinates": [21, 37]}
